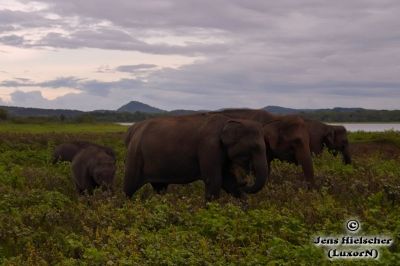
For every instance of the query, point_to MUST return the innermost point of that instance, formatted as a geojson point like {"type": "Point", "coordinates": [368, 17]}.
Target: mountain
{"type": "Point", "coordinates": [135, 106]}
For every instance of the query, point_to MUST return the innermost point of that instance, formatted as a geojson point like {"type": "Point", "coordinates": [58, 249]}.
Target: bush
{"type": "Point", "coordinates": [44, 221]}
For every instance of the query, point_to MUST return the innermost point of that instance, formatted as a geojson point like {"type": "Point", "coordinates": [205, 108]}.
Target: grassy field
{"type": "Point", "coordinates": [7, 127]}
{"type": "Point", "coordinates": [43, 221]}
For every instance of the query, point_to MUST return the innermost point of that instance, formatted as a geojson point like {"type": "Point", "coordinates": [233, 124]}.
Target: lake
{"type": "Point", "coordinates": [368, 127]}
{"type": "Point", "coordinates": [125, 123]}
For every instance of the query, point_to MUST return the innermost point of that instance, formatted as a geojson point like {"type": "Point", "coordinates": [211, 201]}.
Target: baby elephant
{"type": "Point", "coordinates": [93, 167]}
{"type": "Point", "coordinates": [67, 151]}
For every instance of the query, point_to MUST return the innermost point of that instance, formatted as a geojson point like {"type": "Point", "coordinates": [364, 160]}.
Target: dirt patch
{"type": "Point", "coordinates": [384, 149]}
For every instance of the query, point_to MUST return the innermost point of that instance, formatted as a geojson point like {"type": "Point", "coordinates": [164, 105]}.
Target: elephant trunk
{"type": "Point", "coordinates": [303, 157]}
{"type": "Point", "coordinates": [260, 169]}
{"type": "Point", "coordinates": [346, 155]}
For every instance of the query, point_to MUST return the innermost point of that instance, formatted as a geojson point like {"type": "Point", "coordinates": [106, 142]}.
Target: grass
{"type": "Point", "coordinates": [389, 136]}
{"type": "Point", "coordinates": [61, 128]}
{"type": "Point", "coordinates": [43, 220]}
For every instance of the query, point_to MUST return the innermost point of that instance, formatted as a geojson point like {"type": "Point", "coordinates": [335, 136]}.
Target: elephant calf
{"type": "Point", "coordinates": [67, 151]}
{"type": "Point", "coordinates": [93, 167]}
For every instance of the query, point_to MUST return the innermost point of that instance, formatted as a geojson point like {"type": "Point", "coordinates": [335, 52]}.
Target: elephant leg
{"type": "Point", "coordinates": [79, 190]}
{"type": "Point", "coordinates": [81, 178]}
{"type": "Point", "coordinates": [132, 181]}
{"type": "Point", "coordinates": [160, 188]}
{"type": "Point", "coordinates": [212, 180]}
{"type": "Point", "coordinates": [212, 190]}
{"type": "Point", "coordinates": [269, 170]}
{"type": "Point", "coordinates": [210, 165]}
{"type": "Point", "coordinates": [90, 184]}
{"type": "Point", "coordinates": [231, 186]}
{"type": "Point", "coordinates": [85, 186]}
{"type": "Point", "coordinates": [132, 185]}
{"type": "Point", "coordinates": [269, 167]}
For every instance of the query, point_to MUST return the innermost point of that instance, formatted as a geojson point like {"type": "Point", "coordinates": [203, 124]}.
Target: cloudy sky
{"type": "Point", "coordinates": [186, 54]}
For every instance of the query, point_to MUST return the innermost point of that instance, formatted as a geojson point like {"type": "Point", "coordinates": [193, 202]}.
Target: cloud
{"type": "Point", "coordinates": [9, 18]}
{"type": "Point", "coordinates": [135, 68]}
{"type": "Point", "coordinates": [26, 98]}
{"type": "Point", "coordinates": [12, 40]}
{"type": "Point", "coordinates": [61, 82]}
{"type": "Point", "coordinates": [91, 87]}
{"type": "Point", "coordinates": [254, 53]}
{"type": "Point", "coordinates": [119, 40]}
{"type": "Point", "coordinates": [82, 101]}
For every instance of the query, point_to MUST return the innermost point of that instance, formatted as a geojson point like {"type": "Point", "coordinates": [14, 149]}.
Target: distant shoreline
{"type": "Point", "coordinates": [350, 126]}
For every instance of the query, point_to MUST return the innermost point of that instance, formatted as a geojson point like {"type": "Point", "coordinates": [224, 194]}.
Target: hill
{"type": "Point", "coordinates": [135, 106]}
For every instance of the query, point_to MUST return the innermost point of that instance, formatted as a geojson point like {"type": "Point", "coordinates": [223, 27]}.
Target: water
{"type": "Point", "coordinates": [368, 127]}
{"type": "Point", "coordinates": [125, 123]}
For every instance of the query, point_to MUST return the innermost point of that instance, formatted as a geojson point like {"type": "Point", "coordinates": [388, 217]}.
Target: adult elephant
{"type": "Point", "coordinates": [131, 130]}
{"type": "Point", "coordinates": [158, 187]}
{"type": "Point", "coordinates": [287, 137]}
{"type": "Point", "coordinates": [180, 150]}
{"type": "Point", "coordinates": [332, 137]}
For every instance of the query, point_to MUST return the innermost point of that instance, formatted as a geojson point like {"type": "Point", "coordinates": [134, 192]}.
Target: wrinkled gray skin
{"type": "Point", "coordinates": [180, 150]}
{"type": "Point", "coordinates": [67, 151]}
{"type": "Point", "coordinates": [332, 137]}
{"type": "Point", "coordinates": [92, 167]}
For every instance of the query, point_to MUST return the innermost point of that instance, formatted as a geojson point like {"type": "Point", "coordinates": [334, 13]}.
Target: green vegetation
{"type": "Point", "coordinates": [389, 136]}
{"type": "Point", "coordinates": [27, 115]}
{"type": "Point", "coordinates": [43, 220]}
{"type": "Point", "coordinates": [3, 114]}
{"type": "Point", "coordinates": [38, 128]}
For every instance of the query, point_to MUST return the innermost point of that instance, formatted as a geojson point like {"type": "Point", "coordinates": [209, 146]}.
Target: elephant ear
{"type": "Point", "coordinates": [271, 136]}
{"type": "Point", "coordinates": [231, 133]}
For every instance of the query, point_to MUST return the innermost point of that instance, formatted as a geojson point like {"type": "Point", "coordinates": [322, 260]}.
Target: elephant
{"type": "Point", "coordinates": [183, 149]}
{"type": "Point", "coordinates": [67, 151]}
{"type": "Point", "coordinates": [131, 130]}
{"type": "Point", "coordinates": [330, 136]}
{"type": "Point", "coordinates": [93, 167]}
{"type": "Point", "coordinates": [157, 187]}
{"type": "Point", "coordinates": [286, 136]}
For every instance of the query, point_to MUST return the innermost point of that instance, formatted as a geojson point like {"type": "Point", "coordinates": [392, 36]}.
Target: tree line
{"type": "Point", "coordinates": [359, 115]}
